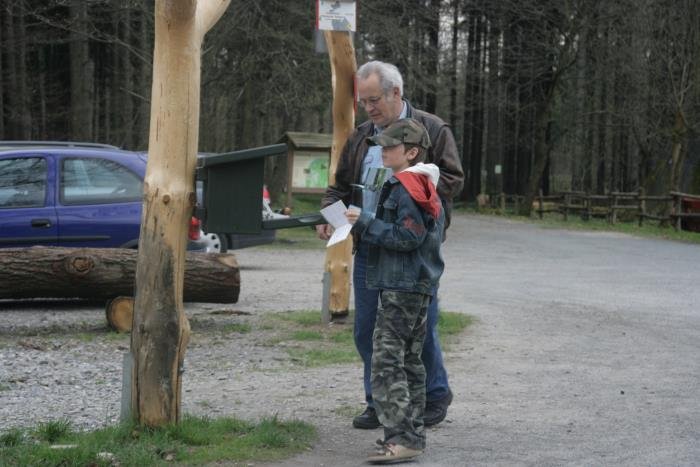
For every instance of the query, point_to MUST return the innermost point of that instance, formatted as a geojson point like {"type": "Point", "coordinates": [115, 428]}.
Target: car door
{"type": "Point", "coordinates": [99, 202]}
{"type": "Point", "coordinates": [27, 214]}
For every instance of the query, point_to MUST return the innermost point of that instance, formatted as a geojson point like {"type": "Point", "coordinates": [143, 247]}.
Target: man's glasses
{"type": "Point", "coordinates": [370, 101]}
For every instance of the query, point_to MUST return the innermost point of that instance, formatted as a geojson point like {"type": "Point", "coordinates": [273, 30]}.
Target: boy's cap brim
{"type": "Point", "coordinates": [383, 141]}
{"type": "Point", "coordinates": [404, 131]}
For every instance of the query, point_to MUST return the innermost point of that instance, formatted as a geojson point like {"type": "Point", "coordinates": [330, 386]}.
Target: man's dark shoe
{"type": "Point", "coordinates": [367, 420]}
{"type": "Point", "coordinates": [436, 411]}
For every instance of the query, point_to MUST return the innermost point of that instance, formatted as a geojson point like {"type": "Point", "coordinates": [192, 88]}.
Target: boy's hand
{"type": "Point", "coordinates": [353, 213]}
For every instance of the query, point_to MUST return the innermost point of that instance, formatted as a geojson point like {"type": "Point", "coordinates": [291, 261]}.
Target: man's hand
{"type": "Point", "coordinates": [324, 231]}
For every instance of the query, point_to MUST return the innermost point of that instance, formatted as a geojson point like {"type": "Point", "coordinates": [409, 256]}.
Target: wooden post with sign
{"type": "Point", "coordinates": [160, 328]}
{"type": "Point", "coordinates": [343, 67]}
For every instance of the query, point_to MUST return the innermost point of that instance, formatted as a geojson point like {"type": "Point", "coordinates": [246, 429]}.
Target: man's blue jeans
{"type": "Point", "coordinates": [366, 301]}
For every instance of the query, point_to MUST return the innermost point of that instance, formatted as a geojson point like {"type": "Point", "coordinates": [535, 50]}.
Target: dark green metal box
{"type": "Point", "coordinates": [232, 189]}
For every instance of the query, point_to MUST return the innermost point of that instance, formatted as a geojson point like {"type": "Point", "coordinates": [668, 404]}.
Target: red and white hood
{"type": "Point", "coordinates": [420, 181]}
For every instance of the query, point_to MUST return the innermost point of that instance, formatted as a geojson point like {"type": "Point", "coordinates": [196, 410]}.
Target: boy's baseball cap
{"type": "Point", "coordinates": [406, 130]}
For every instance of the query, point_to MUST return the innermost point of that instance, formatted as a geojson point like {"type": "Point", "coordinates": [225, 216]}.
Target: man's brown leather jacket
{"type": "Point", "coordinates": [443, 153]}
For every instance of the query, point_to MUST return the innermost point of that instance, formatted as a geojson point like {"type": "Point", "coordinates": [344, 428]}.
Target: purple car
{"type": "Point", "coordinates": [76, 195]}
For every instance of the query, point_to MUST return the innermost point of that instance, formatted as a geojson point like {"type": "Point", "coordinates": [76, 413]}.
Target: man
{"type": "Point", "coordinates": [380, 92]}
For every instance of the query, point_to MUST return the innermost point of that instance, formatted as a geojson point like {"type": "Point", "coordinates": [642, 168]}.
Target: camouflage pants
{"type": "Point", "coordinates": [398, 375]}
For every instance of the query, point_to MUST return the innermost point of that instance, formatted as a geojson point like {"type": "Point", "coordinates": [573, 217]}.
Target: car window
{"type": "Point", "coordinates": [98, 181]}
{"type": "Point", "coordinates": [22, 182]}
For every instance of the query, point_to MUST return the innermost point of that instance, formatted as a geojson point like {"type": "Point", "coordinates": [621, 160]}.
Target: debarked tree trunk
{"type": "Point", "coordinates": [105, 273]}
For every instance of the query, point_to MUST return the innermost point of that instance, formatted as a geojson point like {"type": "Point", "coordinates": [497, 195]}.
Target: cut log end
{"type": "Point", "coordinates": [120, 313]}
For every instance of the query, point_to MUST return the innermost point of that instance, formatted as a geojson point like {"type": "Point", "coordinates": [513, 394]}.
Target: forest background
{"type": "Point", "coordinates": [558, 95]}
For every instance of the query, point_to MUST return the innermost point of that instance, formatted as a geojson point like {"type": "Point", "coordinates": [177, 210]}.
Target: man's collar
{"type": "Point", "coordinates": [404, 113]}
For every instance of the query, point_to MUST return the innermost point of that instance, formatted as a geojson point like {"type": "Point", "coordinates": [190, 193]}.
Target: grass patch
{"type": "Point", "coordinates": [323, 357]}
{"type": "Point", "coordinates": [240, 328]}
{"type": "Point", "coordinates": [451, 323]}
{"type": "Point", "coordinates": [346, 410]}
{"type": "Point", "coordinates": [86, 337]}
{"type": "Point", "coordinates": [309, 343]}
{"type": "Point", "coordinates": [650, 229]}
{"type": "Point", "coordinates": [14, 437]}
{"type": "Point", "coordinates": [647, 230]}
{"type": "Point", "coordinates": [307, 336]}
{"type": "Point", "coordinates": [302, 317]}
{"type": "Point", "coordinates": [300, 237]}
{"type": "Point", "coordinates": [303, 238]}
{"type": "Point", "coordinates": [53, 431]}
{"type": "Point", "coordinates": [306, 203]}
{"type": "Point", "coordinates": [196, 440]}
{"type": "Point", "coordinates": [450, 326]}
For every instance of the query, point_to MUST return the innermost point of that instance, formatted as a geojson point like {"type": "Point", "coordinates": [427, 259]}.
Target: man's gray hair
{"type": "Point", "coordinates": [389, 76]}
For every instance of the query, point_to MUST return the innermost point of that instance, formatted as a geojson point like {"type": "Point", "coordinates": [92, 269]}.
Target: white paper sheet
{"type": "Point", "coordinates": [340, 234]}
{"type": "Point", "coordinates": [335, 215]}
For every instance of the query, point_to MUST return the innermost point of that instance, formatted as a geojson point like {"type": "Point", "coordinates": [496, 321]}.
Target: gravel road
{"type": "Point", "coordinates": [584, 352]}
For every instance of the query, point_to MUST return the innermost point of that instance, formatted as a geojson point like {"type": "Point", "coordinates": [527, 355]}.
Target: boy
{"type": "Point", "coordinates": [405, 264]}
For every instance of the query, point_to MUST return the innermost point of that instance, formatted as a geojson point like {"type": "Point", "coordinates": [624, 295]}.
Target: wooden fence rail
{"type": "Point", "coordinates": [677, 209]}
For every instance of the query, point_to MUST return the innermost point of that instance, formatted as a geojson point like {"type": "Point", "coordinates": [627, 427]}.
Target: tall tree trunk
{"type": "Point", "coordinates": [542, 136]}
{"type": "Point", "coordinates": [433, 53]}
{"type": "Point", "coordinates": [479, 82]}
{"type": "Point", "coordinates": [453, 66]}
{"type": "Point", "coordinates": [126, 85]}
{"type": "Point", "coordinates": [512, 62]}
{"type": "Point", "coordinates": [161, 330]}
{"type": "Point", "coordinates": [678, 137]}
{"type": "Point", "coordinates": [2, 80]}
{"type": "Point", "coordinates": [11, 48]}
{"type": "Point", "coordinates": [144, 74]}
{"type": "Point", "coordinates": [25, 130]}
{"type": "Point", "coordinates": [493, 102]}
{"type": "Point", "coordinates": [471, 160]}
{"type": "Point", "coordinates": [81, 74]}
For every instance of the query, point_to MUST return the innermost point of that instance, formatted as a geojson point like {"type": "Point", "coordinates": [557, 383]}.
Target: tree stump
{"type": "Point", "coordinates": [120, 313]}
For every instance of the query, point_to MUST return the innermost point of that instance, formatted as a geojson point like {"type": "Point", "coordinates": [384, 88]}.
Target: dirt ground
{"type": "Point", "coordinates": [583, 352]}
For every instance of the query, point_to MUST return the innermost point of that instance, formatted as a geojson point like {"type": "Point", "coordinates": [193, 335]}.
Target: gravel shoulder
{"type": "Point", "coordinates": [584, 352]}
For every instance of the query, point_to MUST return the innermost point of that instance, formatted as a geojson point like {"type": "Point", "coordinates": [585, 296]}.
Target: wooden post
{"type": "Point", "coordinates": [540, 211]}
{"type": "Point", "coordinates": [612, 218]}
{"type": "Point", "coordinates": [502, 202]}
{"type": "Point", "coordinates": [160, 328]}
{"type": "Point", "coordinates": [642, 206]}
{"type": "Point", "coordinates": [679, 209]}
{"type": "Point", "coordinates": [567, 200]}
{"type": "Point", "coordinates": [343, 67]}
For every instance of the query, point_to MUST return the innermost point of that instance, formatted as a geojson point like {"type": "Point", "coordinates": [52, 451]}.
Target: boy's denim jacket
{"type": "Point", "coordinates": [404, 242]}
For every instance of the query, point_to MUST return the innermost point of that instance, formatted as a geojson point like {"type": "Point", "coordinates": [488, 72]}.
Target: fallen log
{"type": "Point", "coordinates": [106, 273]}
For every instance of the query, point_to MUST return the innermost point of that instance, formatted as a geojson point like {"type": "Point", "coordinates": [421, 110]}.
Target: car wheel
{"type": "Point", "coordinates": [214, 243]}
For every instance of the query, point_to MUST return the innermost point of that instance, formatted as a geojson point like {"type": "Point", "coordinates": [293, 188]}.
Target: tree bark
{"type": "Point", "coordinates": [105, 273]}
{"type": "Point", "coordinates": [160, 327]}
{"type": "Point", "coordinates": [343, 68]}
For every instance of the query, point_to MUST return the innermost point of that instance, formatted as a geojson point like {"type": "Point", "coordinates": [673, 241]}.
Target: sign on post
{"type": "Point", "coordinates": [336, 15]}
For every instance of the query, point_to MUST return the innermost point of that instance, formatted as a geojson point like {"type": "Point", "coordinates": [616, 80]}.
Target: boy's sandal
{"type": "Point", "coordinates": [394, 453]}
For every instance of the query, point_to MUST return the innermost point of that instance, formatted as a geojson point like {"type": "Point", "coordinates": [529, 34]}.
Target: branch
{"type": "Point", "coordinates": [209, 12]}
